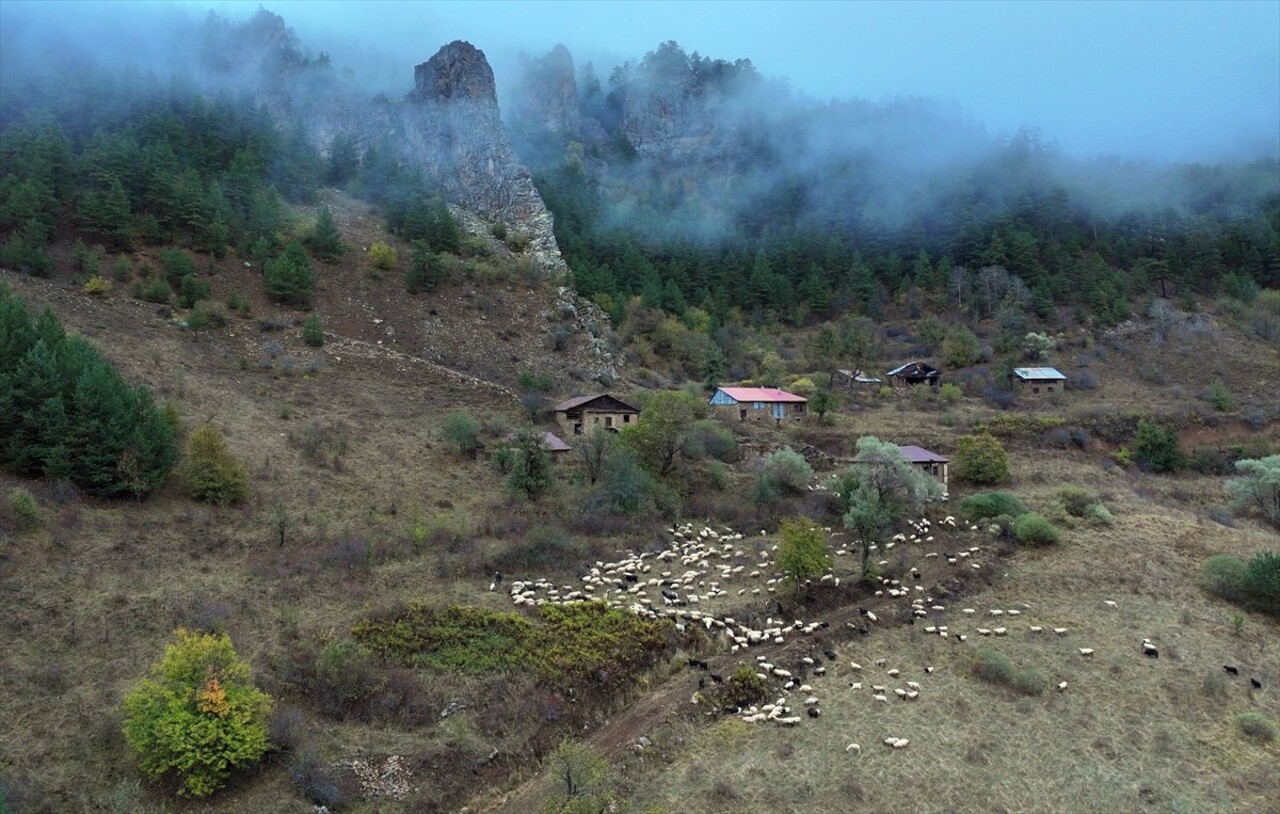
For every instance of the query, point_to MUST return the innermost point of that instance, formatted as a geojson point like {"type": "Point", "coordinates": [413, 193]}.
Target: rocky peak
{"type": "Point", "coordinates": [454, 132]}
{"type": "Point", "coordinates": [548, 97]}
{"type": "Point", "coordinates": [459, 70]}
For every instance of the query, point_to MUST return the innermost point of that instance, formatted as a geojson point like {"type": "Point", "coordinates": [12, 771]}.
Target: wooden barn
{"type": "Point", "coordinates": [742, 403]}
{"type": "Point", "coordinates": [1038, 380]}
{"type": "Point", "coordinates": [914, 373]}
{"type": "Point", "coordinates": [584, 414]}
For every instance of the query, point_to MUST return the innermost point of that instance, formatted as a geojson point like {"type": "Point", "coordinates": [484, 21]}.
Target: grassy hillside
{"type": "Point", "coordinates": [357, 506]}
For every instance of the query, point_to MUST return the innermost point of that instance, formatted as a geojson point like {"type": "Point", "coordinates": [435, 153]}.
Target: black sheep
{"type": "Point", "coordinates": [1231, 670]}
{"type": "Point", "coordinates": [1257, 685]}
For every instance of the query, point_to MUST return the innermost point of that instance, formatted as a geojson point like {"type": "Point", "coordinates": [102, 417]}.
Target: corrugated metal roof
{"type": "Point", "coordinates": [1037, 373]}
{"type": "Point", "coordinates": [920, 369]}
{"type": "Point", "coordinates": [858, 376]}
{"type": "Point", "coordinates": [766, 394]}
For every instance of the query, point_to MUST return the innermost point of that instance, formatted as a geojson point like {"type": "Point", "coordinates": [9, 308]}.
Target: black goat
{"type": "Point", "coordinates": [1231, 670]}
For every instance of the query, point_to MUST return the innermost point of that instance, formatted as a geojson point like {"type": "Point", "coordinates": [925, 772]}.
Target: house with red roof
{"type": "Point", "coordinates": [742, 403]}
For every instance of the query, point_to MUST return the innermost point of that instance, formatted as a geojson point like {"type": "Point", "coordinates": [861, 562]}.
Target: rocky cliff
{"type": "Point", "coordinates": [453, 130]}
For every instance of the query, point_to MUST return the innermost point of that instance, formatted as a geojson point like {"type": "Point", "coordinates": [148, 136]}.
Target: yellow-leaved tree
{"type": "Point", "coordinates": [198, 717]}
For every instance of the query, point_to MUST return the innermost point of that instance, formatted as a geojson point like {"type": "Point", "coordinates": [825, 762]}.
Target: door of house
{"type": "Point", "coordinates": [779, 410]}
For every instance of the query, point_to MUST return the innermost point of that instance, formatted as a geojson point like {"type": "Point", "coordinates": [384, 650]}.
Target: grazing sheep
{"type": "Point", "coordinates": [1086, 651]}
{"type": "Point", "coordinates": [1036, 629]}
{"type": "Point", "coordinates": [880, 662]}
{"type": "Point", "coordinates": [814, 712]}
{"type": "Point", "coordinates": [1062, 685]}
{"type": "Point", "coordinates": [880, 698]}
{"type": "Point", "coordinates": [913, 685]}
{"type": "Point", "coordinates": [853, 665]}
{"type": "Point", "coordinates": [1149, 650]}
{"type": "Point", "coordinates": [1231, 670]}
{"type": "Point", "coordinates": [894, 672]}
{"type": "Point", "coordinates": [855, 685]}
{"type": "Point", "coordinates": [1061, 631]}
{"type": "Point", "coordinates": [1109, 603]}
{"type": "Point", "coordinates": [853, 747]}
{"type": "Point", "coordinates": [1255, 683]}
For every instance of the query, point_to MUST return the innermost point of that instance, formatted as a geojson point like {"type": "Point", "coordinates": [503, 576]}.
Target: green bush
{"type": "Point", "coordinates": [157, 291]}
{"type": "Point", "coordinates": [313, 331]}
{"type": "Point", "coordinates": [191, 290]}
{"type": "Point", "coordinates": [981, 459]}
{"type": "Point", "coordinates": [1226, 577]}
{"type": "Point", "coordinates": [784, 473]}
{"type": "Point", "coordinates": [461, 430]}
{"type": "Point", "coordinates": [1156, 449]}
{"type": "Point", "coordinates": [711, 439]}
{"type": "Point", "coordinates": [743, 688]}
{"type": "Point", "coordinates": [995, 667]}
{"type": "Point", "coordinates": [1075, 500]}
{"type": "Point", "coordinates": [950, 393]}
{"type": "Point", "coordinates": [960, 348]}
{"type": "Point", "coordinates": [573, 642]}
{"type": "Point", "coordinates": [324, 239]}
{"type": "Point", "coordinates": [1219, 397]}
{"type": "Point", "coordinates": [1256, 725]}
{"type": "Point", "coordinates": [382, 256]}
{"type": "Point", "coordinates": [1034, 530]}
{"type": "Point", "coordinates": [1099, 513]}
{"type": "Point", "coordinates": [25, 509]}
{"type": "Point", "coordinates": [992, 504]}
{"type": "Point", "coordinates": [176, 265]}
{"type": "Point", "coordinates": [209, 471]}
{"type": "Point", "coordinates": [1263, 582]}
{"type": "Point", "coordinates": [198, 717]}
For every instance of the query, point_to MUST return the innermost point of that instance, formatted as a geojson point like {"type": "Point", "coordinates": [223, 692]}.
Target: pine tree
{"type": "Point", "coordinates": [324, 239]}
{"type": "Point", "coordinates": [289, 278]}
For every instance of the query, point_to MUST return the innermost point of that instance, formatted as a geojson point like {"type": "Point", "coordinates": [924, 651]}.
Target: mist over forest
{"type": "Point", "coordinates": [683, 177]}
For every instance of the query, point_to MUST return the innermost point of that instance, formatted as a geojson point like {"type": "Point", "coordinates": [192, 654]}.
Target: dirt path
{"type": "Point", "coordinates": [649, 713]}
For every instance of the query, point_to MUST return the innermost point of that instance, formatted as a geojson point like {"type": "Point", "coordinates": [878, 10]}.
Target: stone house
{"type": "Point", "coordinates": [930, 462]}
{"type": "Point", "coordinates": [741, 403]}
{"type": "Point", "coordinates": [584, 414]}
{"type": "Point", "coordinates": [1036, 380]}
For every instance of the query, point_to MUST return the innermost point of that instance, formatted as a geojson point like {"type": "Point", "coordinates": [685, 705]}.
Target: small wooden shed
{"type": "Point", "coordinates": [587, 413]}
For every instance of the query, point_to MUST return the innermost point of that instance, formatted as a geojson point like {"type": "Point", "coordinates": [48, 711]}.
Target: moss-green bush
{"type": "Point", "coordinates": [1226, 577]}
{"type": "Point", "coordinates": [1258, 726]}
{"type": "Point", "coordinates": [568, 642]}
{"type": "Point", "coordinates": [994, 667]}
{"type": "Point", "coordinates": [1034, 530]}
{"type": "Point", "coordinates": [25, 509]}
{"type": "Point", "coordinates": [980, 459]}
{"type": "Point", "coordinates": [1075, 500]}
{"type": "Point", "coordinates": [992, 504]}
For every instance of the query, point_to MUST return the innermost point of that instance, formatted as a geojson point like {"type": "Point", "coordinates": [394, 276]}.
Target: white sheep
{"type": "Point", "coordinates": [853, 747]}
{"type": "Point", "coordinates": [1086, 651]}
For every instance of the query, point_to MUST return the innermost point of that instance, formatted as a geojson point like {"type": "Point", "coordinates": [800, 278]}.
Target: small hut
{"type": "Point", "coordinates": [914, 373]}
{"type": "Point", "coordinates": [931, 462]}
{"type": "Point", "coordinates": [1038, 379]}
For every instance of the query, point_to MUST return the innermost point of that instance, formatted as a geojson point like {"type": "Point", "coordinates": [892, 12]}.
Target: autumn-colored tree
{"type": "Point", "coordinates": [198, 717]}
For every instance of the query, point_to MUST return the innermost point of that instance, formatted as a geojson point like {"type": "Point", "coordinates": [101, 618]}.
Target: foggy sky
{"type": "Point", "coordinates": [1182, 81]}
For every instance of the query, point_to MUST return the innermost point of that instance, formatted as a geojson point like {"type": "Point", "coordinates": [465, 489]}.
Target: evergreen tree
{"type": "Point", "coordinates": [324, 239]}
{"type": "Point", "coordinates": [289, 278]}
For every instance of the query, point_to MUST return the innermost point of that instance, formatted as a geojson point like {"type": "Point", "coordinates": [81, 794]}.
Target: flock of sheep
{"type": "Point", "coordinates": [704, 568]}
